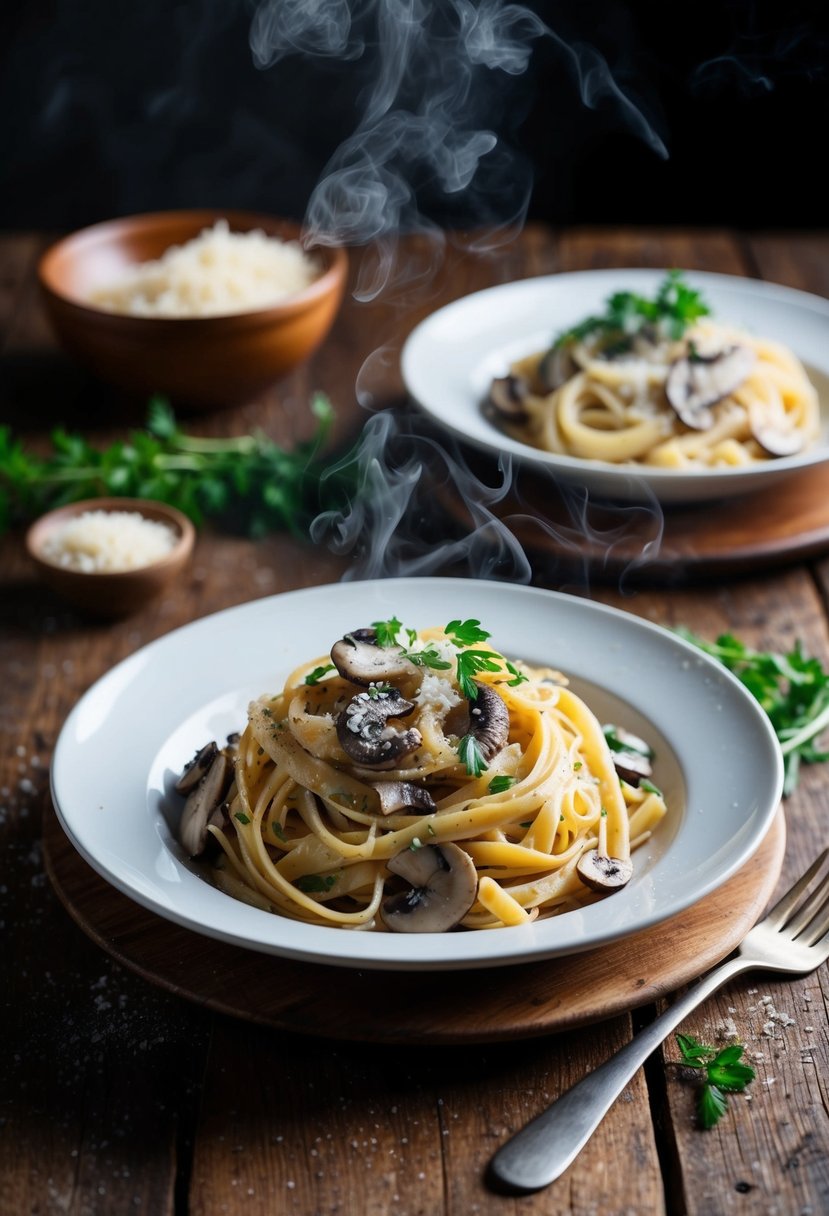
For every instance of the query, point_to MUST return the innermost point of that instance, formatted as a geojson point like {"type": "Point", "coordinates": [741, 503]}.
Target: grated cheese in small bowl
{"type": "Point", "coordinates": [217, 273]}
{"type": "Point", "coordinates": [107, 542]}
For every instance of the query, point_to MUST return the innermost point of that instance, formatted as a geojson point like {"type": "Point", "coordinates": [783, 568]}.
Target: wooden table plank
{"type": "Point", "coordinates": [114, 1086]}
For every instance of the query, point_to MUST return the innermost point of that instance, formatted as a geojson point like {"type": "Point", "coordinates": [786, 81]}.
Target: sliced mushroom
{"type": "Point", "coordinates": [444, 883]}
{"type": "Point", "coordinates": [777, 442]}
{"type": "Point", "coordinates": [489, 721]}
{"type": "Point", "coordinates": [196, 769]}
{"type": "Point", "coordinates": [364, 733]}
{"type": "Point", "coordinates": [602, 873]}
{"type": "Point", "coordinates": [632, 767]}
{"type": "Point", "coordinates": [557, 366]}
{"type": "Point", "coordinates": [203, 803]}
{"type": "Point", "coordinates": [507, 396]}
{"type": "Point", "coordinates": [403, 796]}
{"type": "Point", "coordinates": [358, 658]}
{"type": "Point", "coordinates": [697, 382]}
{"type": "Point", "coordinates": [631, 755]}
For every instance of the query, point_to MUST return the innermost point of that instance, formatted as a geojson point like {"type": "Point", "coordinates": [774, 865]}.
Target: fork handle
{"type": "Point", "coordinates": [541, 1151]}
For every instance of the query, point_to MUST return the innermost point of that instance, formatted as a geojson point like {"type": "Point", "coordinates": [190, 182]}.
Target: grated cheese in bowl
{"type": "Point", "coordinates": [217, 273]}
{"type": "Point", "coordinates": [107, 542]}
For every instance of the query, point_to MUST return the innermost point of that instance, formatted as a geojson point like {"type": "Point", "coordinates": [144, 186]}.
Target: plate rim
{"type": "Point", "coordinates": [513, 946]}
{"type": "Point", "coordinates": [634, 480]}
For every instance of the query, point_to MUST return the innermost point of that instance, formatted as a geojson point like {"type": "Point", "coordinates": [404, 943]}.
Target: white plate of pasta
{"type": "Point", "coordinates": [461, 829]}
{"type": "Point", "coordinates": [635, 384]}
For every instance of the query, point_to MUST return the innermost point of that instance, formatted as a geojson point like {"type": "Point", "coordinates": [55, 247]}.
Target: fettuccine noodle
{"type": "Point", "coordinates": [616, 408]}
{"type": "Point", "coordinates": [305, 833]}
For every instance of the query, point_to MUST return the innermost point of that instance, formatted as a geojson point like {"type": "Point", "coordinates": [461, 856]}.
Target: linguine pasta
{"type": "Point", "coordinates": [363, 803]}
{"type": "Point", "coordinates": [707, 397]}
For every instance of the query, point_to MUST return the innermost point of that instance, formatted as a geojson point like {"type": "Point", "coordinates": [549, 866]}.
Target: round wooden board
{"type": "Point", "coordinates": [564, 533]}
{"type": "Point", "coordinates": [415, 1007]}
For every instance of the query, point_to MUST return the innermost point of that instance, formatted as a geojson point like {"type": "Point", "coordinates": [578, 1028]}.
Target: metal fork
{"type": "Point", "coordinates": [793, 939]}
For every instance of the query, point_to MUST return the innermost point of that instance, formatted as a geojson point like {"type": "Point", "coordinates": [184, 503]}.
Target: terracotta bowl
{"type": "Point", "coordinates": [111, 594]}
{"type": "Point", "coordinates": [200, 361]}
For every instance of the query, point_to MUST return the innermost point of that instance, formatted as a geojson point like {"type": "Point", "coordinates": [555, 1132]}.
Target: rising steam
{"type": "Point", "coordinates": [438, 78]}
{"type": "Point", "coordinates": [436, 113]}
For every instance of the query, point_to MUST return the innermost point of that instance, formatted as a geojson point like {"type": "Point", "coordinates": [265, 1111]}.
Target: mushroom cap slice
{"type": "Point", "coordinates": [697, 382]}
{"type": "Point", "coordinates": [398, 796]}
{"type": "Point", "coordinates": [777, 442]}
{"type": "Point", "coordinates": [196, 769]}
{"type": "Point", "coordinates": [444, 883]}
{"type": "Point", "coordinates": [202, 803]}
{"type": "Point", "coordinates": [602, 873]}
{"type": "Point", "coordinates": [632, 767]}
{"type": "Point", "coordinates": [489, 720]}
{"type": "Point", "coordinates": [358, 658]}
{"type": "Point", "coordinates": [364, 733]}
{"type": "Point", "coordinates": [507, 395]}
{"type": "Point", "coordinates": [557, 367]}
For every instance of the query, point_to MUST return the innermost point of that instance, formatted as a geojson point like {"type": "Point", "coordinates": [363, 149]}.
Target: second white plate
{"type": "Point", "coordinates": [450, 359]}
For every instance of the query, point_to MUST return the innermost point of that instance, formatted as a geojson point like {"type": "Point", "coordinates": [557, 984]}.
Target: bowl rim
{"type": "Point", "coordinates": [331, 281]}
{"type": "Point", "coordinates": [39, 528]}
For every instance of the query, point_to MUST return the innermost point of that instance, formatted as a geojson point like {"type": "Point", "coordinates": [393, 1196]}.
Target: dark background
{"type": "Point", "coordinates": [111, 107]}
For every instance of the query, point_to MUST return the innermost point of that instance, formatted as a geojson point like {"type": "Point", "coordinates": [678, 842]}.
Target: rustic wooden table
{"type": "Point", "coordinates": [121, 1097]}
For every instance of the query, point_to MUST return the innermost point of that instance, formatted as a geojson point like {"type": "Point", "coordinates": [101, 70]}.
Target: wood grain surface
{"type": "Point", "coordinates": [119, 1096]}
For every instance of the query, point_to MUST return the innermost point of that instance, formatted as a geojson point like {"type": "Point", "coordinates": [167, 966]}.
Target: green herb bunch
{"type": "Point", "coordinates": [674, 308]}
{"type": "Point", "coordinates": [791, 688]}
{"type": "Point", "coordinates": [250, 481]}
{"type": "Point", "coordinates": [722, 1074]}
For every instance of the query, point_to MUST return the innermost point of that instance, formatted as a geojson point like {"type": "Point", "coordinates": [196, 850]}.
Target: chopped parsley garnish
{"type": "Point", "coordinates": [466, 633]}
{"type": "Point", "coordinates": [518, 677]}
{"type": "Point", "coordinates": [791, 688]}
{"type": "Point", "coordinates": [242, 817]}
{"type": "Point", "coordinates": [386, 631]}
{"type": "Point", "coordinates": [500, 784]}
{"type": "Point", "coordinates": [312, 884]}
{"type": "Point", "coordinates": [375, 691]}
{"type": "Point", "coordinates": [629, 744]}
{"type": "Point", "coordinates": [470, 662]}
{"type": "Point", "coordinates": [316, 675]}
{"type": "Point", "coordinates": [674, 308]}
{"type": "Point", "coordinates": [427, 658]}
{"type": "Point", "coordinates": [472, 758]}
{"type": "Point", "coordinates": [649, 787]}
{"type": "Point", "coordinates": [723, 1074]}
{"type": "Point", "coordinates": [276, 828]}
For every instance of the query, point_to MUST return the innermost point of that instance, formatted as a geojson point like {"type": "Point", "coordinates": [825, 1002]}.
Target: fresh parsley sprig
{"type": "Point", "coordinates": [723, 1073]}
{"type": "Point", "coordinates": [249, 481]}
{"type": "Point", "coordinates": [674, 308]}
{"type": "Point", "coordinates": [471, 756]}
{"type": "Point", "coordinates": [792, 688]}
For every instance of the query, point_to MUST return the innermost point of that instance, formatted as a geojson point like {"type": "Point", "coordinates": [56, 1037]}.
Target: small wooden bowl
{"type": "Point", "coordinates": [117, 593]}
{"type": "Point", "coordinates": [196, 361]}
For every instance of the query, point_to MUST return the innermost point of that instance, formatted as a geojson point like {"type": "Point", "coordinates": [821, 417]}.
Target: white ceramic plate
{"type": "Point", "coordinates": [128, 738]}
{"type": "Point", "coordinates": [450, 359]}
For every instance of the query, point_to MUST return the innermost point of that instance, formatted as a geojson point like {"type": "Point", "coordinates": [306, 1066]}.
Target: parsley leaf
{"type": "Point", "coordinates": [649, 787]}
{"type": "Point", "coordinates": [469, 750]}
{"type": "Point", "coordinates": [724, 1073]}
{"type": "Point", "coordinates": [470, 662]}
{"type": "Point", "coordinates": [500, 784]}
{"type": "Point", "coordinates": [315, 883]}
{"type": "Point", "coordinates": [316, 675]}
{"type": "Point", "coordinates": [518, 677]}
{"type": "Point", "coordinates": [242, 817]}
{"type": "Point", "coordinates": [674, 308]}
{"type": "Point", "coordinates": [792, 688]}
{"type": "Point", "coordinates": [466, 633]}
{"type": "Point", "coordinates": [427, 658]}
{"type": "Point", "coordinates": [387, 631]}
